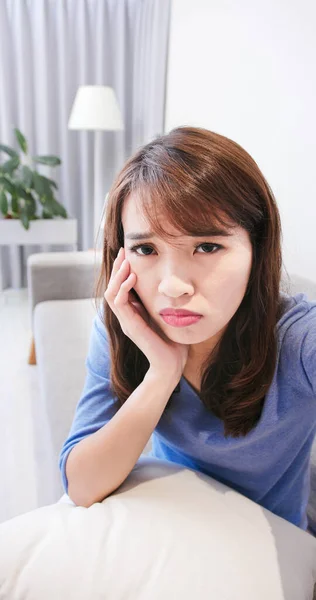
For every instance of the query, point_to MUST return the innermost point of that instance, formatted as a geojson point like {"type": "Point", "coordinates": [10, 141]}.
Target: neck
{"type": "Point", "coordinates": [198, 353]}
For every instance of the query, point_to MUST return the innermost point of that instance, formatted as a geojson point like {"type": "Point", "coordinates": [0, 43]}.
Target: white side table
{"type": "Point", "coordinates": [56, 231]}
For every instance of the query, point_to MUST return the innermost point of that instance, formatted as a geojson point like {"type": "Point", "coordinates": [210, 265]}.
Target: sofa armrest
{"type": "Point", "coordinates": [62, 276]}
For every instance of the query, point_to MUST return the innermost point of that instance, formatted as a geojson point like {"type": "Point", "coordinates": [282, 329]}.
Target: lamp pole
{"type": "Point", "coordinates": [95, 108]}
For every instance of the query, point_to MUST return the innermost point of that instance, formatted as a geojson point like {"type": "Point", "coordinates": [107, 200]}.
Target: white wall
{"type": "Point", "coordinates": [246, 70]}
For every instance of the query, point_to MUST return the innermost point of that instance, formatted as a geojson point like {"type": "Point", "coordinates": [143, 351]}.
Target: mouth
{"type": "Point", "coordinates": [180, 312]}
{"type": "Point", "coordinates": [181, 320]}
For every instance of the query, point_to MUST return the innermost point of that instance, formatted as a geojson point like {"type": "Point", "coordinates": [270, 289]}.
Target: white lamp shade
{"type": "Point", "coordinates": [95, 107]}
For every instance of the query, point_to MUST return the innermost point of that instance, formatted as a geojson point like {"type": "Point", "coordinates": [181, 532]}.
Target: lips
{"type": "Point", "coordinates": [178, 312]}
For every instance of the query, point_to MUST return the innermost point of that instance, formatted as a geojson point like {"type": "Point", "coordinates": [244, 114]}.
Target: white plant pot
{"type": "Point", "coordinates": [41, 231]}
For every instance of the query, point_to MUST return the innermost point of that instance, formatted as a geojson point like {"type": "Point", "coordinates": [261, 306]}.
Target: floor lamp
{"type": "Point", "coordinates": [95, 108]}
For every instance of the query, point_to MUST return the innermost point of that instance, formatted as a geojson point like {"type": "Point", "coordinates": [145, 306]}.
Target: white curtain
{"type": "Point", "coordinates": [50, 47]}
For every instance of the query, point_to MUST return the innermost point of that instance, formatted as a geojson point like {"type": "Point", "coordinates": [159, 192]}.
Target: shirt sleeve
{"type": "Point", "coordinates": [308, 348]}
{"type": "Point", "coordinates": [97, 404]}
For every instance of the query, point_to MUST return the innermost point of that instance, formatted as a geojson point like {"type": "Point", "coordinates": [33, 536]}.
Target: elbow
{"type": "Point", "coordinates": [77, 487]}
{"type": "Point", "coordinates": [84, 488]}
{"type": "Point", "coordinates": [80, 497]}
{"type": "Point", "coordinates": [83, 497]}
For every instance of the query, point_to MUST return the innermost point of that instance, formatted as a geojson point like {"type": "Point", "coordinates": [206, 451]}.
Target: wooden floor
{"type": "Point", "coordinates": [19, 395]}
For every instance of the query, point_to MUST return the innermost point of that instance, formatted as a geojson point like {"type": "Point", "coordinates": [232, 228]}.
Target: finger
{"type": "Point", "coordinates": [117, 280]}
{"type": "Point", "coordinates": [117, 262]}
{"type": "Point", "coordinates": [122, 297]}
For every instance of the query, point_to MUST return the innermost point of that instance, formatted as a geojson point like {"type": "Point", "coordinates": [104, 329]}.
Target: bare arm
{"type": "Point", "coordinates": [100, 463]}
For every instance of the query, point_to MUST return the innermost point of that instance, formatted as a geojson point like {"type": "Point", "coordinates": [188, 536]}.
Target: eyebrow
{"type": "Point", "coordinates": [215, 232]}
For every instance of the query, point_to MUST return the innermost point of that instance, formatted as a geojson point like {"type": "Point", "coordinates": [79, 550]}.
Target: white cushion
{"type": "Point", "coordinates": [62, 330]}
{"type": "Point", "coordinates": [167, 533]}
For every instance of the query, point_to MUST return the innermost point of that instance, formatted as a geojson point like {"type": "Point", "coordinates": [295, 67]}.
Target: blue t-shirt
{"type": "Point", "coordinates": [270, 465]}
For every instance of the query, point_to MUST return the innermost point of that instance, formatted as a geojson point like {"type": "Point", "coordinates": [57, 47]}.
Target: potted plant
{"type": "Point", "coordinates": [25, 194]}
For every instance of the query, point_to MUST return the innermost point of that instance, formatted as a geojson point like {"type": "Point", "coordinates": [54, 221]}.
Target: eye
{"type": "Point", "coordinates": [135, 248]}
{"type": "Point", "coordinates": [210, 247]}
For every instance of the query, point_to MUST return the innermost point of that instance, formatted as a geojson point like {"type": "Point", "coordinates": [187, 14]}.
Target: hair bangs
{"type": "Point", "coordinates": [164, 204]}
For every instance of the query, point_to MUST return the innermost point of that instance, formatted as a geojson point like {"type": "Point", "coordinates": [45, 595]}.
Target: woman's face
{"type": "Point", "coordinates": [207, 275]}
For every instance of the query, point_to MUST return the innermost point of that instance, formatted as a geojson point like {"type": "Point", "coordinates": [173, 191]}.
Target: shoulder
{"type": "Point", "coordinates": [298, 316]}
{"type": "Point", "coordinates": [98, 358]}
{"type": "Point", "coordinates": [99, 330]}
{"type": "Point", "coordinates": [296, 331]}
{"type": "Point", "coordinates": [295, 306]}
{"type": "Point", "coordinates": [98, 326]}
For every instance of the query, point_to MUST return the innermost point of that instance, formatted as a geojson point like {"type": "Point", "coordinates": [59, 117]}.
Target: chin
{"type": "Point", "coordinates": [185, 335]}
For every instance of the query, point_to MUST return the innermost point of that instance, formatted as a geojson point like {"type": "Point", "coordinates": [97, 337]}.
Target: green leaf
{"type": "Point", "coordinates": [10, 165]}
{"type": "Point", "coordinates": [51, 161]}
{"type": "Point", "coordinates": [27, 176]}
{"type": "Point", "coordinates": [31, 206]}
{"type": "Point", "coordinates": [9, 151]}
{"type": "Point", "coordinates": [49, 204]}
{"type": "Point", "coordinates": [63, 213]}
{"type": "Point", "coordinates": [3, 203]}
{"type": "Point", "coordinates": [14, 205]}
{"type": "Point", "coordinates": [20, 192]}
{"type": "Point", "coordinates": [60, 210]}
{"type": "Point", "coordinates": [26, 201]}
{"type": "Point", "coordinates": [21, 140]}
{"type": "Point", "coordinates": [54, 208]}
{"type": "Point", "coordinates": [25, 220]}
{"type": "Point", "coordinates": [7, 184]}
{"type": "Point", "coordinates": [51, 182]}
{"type": "Point", "coordinates": [46, 214]}
{"type": "Point", "coordinates": [41, 186]}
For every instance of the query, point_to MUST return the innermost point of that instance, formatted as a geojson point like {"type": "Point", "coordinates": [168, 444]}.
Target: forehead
{"type": "Point", "coordinates": [132, 215]}
{"type": "Point", "coordinates": [134, 221]}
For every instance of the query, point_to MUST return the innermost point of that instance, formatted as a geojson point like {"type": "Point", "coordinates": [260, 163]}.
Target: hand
{"type": "Point", "coordinates": [164, 355]}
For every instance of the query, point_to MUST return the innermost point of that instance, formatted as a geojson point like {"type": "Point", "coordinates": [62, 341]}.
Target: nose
{"type": "Point", "coordinates": [174, 286]}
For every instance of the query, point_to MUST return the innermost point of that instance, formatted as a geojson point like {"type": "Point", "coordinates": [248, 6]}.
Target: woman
{"type": "Point", "coordinates": [192, 225]}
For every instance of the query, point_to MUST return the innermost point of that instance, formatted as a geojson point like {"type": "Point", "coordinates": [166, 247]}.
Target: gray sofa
{"type": "Point", "coordinates": [62, 309]}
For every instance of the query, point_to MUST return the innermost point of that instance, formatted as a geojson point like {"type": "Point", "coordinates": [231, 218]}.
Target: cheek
{"type": "Point", "coordinates": [229, 286]}
{"type": "Point", "coordinates": [143, 272]}
{"type": "Point", "coordinates": [232, 272]}
{"type": "Point", "coordinates": [143, 281]}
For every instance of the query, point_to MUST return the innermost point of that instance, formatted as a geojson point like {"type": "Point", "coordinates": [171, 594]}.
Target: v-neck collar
{"type": "Point", "coordinates": [190, 385]}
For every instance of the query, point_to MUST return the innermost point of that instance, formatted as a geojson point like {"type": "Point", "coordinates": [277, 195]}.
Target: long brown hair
{"type": "Point", "coordinates": [194, 177]}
